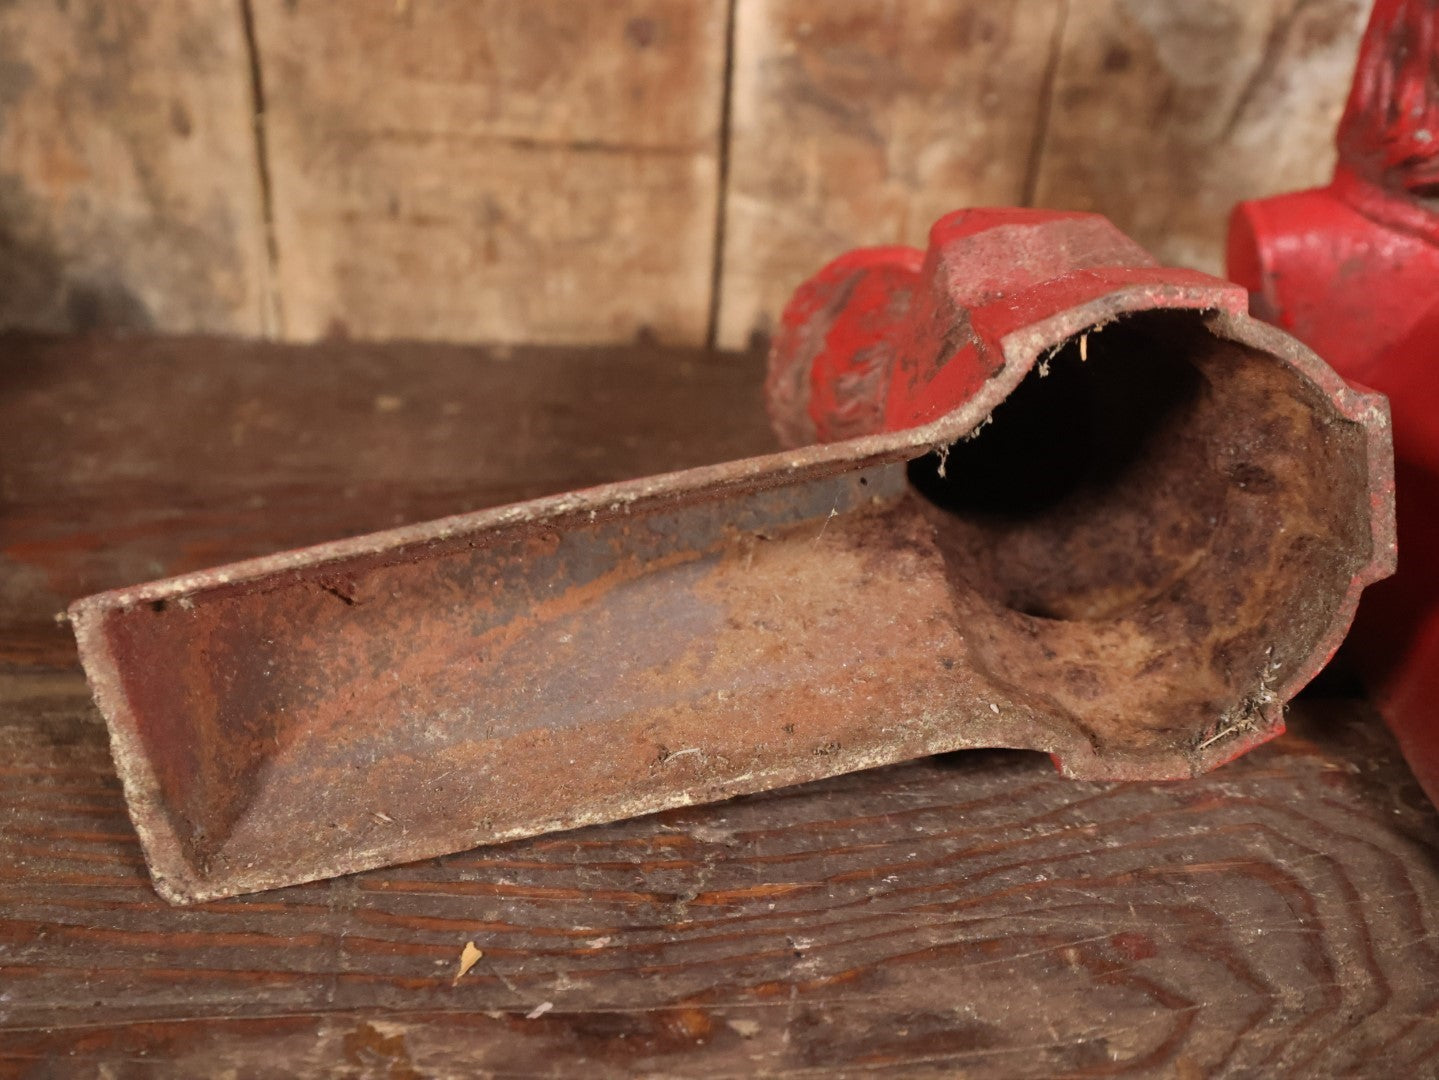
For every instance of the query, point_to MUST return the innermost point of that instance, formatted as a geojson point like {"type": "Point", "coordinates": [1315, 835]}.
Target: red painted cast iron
{"type": "Point", "coordinates": [1042, 493]}
{"type": "Point", "coordinates": [1353, 270]}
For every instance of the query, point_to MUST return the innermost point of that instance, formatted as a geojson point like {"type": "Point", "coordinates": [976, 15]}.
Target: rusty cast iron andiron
{"type": "Point", "coordinates": [1064, 499]}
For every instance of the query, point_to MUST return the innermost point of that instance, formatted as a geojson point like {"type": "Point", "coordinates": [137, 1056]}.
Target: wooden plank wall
{"type": "Point", "coordinates": [496, 169]}
{"type": "Point", "coordinates": [546, 170]}
{"type": "Point", "coordinates": [860, 122]}
{"type": "Point", "coordinates": [129, 193]}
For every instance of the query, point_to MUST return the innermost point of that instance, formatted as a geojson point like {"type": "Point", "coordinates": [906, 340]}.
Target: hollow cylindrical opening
{"type": "Point", "coordinates": [1156, 525]}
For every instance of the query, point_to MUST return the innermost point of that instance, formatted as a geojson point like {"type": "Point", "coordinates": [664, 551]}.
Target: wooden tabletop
{"type": "Point", "coordinates": [969, 915]}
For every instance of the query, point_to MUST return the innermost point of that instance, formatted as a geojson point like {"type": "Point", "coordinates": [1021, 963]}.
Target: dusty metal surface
{"type": "Point", "coordinates": [1147, 526]}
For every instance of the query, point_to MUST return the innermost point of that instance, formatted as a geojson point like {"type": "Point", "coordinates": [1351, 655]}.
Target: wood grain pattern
{"type": "Point", "coordinates": [494, 171]}
{"type": "Point", "coordinates": [127, 460]}
{"type": "Point", "coordinates": [1165, 115]}
{"type": "Point", "coordinates": [973, 915]}
{"type": "Point", "coordinates": [860, 122]}
{"type": "Point", "coordinates": [549, 171]}
{"type": "Point", "coordinates": [129, 189]}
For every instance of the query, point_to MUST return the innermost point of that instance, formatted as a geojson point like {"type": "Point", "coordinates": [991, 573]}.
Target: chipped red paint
{"type": "Point", "coordinates": [1352, 269]}
{"type": "Point", "coordinates": [1160, 537]}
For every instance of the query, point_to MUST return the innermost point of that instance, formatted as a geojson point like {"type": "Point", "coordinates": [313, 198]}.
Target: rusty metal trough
{"type": "Point", "coordinates": [1070, 501]}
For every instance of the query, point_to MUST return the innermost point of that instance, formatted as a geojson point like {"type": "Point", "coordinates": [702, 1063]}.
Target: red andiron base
{"type": "Point", "coordinates": [1062, 498]}
{"type": "Point", "coordinates": [1353, 269]}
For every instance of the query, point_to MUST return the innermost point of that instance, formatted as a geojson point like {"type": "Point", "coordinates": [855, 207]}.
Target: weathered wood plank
{"type": "Point", "coordinates": [1166, 114]}
{"type": "Point", "coordinates": [129, 188]}
{"type": "Point", "coordinates": [495, 171]}
{"type": "Point", "coordinates": [858, 122]}
{"type": "Point", "coordinates": [972, 914]}
{"type": "Point", "coordinates": [976, 913]}
{"type": "Point", "coordinates": [126, 460]}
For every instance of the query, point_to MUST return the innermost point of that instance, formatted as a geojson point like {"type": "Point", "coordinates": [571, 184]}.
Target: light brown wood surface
{"type": "Point", "coordinates": [974, 915]}
{"type": "Point", "coordinates": [129, 194]}
{"type": "Point", "coordinates": [546, 170]}
{"type": "Point", "coordinates": [494, 170]}
{"type": "Point", "coordinates": [859, 123]}
{"type": "Point", "coordinates": [1165, 115]}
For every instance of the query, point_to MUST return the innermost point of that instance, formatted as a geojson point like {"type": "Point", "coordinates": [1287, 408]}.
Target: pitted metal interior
{"type": "Point", "coordinates": [1138, 537]}
{"type": "Point", "coordinates": [1153, 524]}
{"type": "Point", "coordinates": [1107, 583]}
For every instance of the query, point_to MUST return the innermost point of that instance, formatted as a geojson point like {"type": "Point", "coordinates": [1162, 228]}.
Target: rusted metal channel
{"type": "Point", "coordinates": [1146, 526]}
